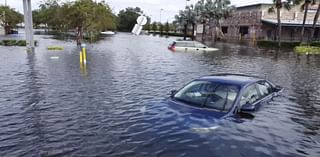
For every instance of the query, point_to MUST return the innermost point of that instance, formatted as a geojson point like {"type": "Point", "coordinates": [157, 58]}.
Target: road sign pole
{"type": "Point", "coordinates": [28, 23]}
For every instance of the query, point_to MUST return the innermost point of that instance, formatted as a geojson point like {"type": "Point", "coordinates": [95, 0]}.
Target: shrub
{"type": "Point", "coordinates": [21, 43]}
{"type": "Point", "coordinates": [54, 48]}
{"type": "Point", "coordinates": [274, 44]}
{"type": "Point", "coordinates": [15, 43]}
{"type": "Point", "coordinates": [307, 49]}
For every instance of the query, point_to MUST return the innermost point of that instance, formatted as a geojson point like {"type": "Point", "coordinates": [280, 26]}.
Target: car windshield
{"type": "Point", "coordinates": [208, 94]}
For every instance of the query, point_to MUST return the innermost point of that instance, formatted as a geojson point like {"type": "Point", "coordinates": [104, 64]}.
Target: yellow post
{"type": "Point", "coordinates": [84, 53]}
{"type": "Point", "coordinates": [84, 56]}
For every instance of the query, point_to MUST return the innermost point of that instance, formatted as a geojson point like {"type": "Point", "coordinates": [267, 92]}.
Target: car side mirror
{"type": "Point", "coordinates": [204, 47]}
{"type": "Point", "coordinates": [277, 88]}
{"type": "Point", "coordinates": [247, 107]}
{"type": "Point", "coordinates": [173, 92]}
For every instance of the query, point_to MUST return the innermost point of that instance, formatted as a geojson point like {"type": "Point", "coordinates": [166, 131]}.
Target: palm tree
{"type": "Point", "coordinates": [191, 18]}
{"type": "Point", "coordinates": [305, 7]}
{"type": "Point", "coordinates": [278, 5]}
{"type": "Point", "coordinates": [181, 20]}
{"type": "Point", "coordinates": [201, 16]}
{"type": "Point", "coordinates": [186, 17]}
{"type": "Point", "coordinates": [315, 20]}
{"type": "Point", "coordinates": [216, 10]}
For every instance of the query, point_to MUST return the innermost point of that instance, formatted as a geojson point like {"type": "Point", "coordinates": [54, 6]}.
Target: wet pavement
{"type": "Point", "coordinates": [52, 106]}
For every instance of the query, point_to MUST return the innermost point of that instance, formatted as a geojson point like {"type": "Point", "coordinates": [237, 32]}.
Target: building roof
{"type": "Point", "coordinates": [252, 5]}
{"type": "Point", "coordinates": [290, 23]}
{"type": "Point", "coordinates": [232, 79]}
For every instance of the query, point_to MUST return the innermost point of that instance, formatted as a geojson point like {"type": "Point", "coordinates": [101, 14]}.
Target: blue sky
{"type": "Point", "coordinates": [150, 7]}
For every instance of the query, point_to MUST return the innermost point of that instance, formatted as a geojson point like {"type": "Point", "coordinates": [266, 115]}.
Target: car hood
{"type": "Point", "coordinates": [170, 113]}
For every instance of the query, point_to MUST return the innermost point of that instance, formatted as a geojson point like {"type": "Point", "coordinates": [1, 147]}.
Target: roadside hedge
{"type": "Point", "coordinates": [15, 43]}
{"type": "Point", "coordinates": [307, 49]}
{"type": "Point", "coordinates": [274, 44]}
{"type": "Point", "coordinates": [291, 45]}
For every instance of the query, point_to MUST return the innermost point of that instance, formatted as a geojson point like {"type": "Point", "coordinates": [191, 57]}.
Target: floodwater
{"type": "Point", "coordinates": [52, 106]}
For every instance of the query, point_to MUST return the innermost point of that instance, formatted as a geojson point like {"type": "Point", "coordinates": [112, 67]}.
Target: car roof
{"type": "Point", "coordinates": [232, 79]}
{"type": "Point", "coordinates": [185, 41]}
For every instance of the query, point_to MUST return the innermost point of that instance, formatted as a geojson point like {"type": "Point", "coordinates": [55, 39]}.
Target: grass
{"type": "Point", "coordinates": [307, 49]}
{"type": "Point", "coordinates": [55, 48]}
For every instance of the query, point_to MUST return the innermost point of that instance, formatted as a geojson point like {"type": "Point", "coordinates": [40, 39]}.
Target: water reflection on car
{"type": "Point", "coordinates": [223, 95]}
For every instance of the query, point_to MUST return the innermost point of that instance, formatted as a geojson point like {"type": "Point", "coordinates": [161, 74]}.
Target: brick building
{"type": "Point", "coordinates": [254, 21]}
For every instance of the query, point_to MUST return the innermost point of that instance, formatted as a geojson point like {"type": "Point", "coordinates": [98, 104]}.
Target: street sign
{"type": "Point", "coordinates": [141, 20]}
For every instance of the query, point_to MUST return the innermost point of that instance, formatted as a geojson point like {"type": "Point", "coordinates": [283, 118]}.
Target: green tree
{"type": "Point", "coordinates": [305, 8]}
{"type": "Point", "coordinates": [215, 10]}
{"type": "Point", "coordinates": [201, 16]}
{"type": "Point", "coordinates": [81, 16]}
{"type": "Point", "coordinates": [278, 4]}
{"type": "Point", "coordinates": [209, 11]}
{"type": "Point", "coordinates": [9, 18]}
{"type": "Point", "coordinates": [127, 18]}
{"type": "Point", "coordinates": [180, 19]}
{"type": "Point", "coordinates": [154, 27]}
{"type": "Point", "coordinates": [167, 27]}
{"type": "Point", "coordinates": [161, 27]}
{"type": "Point", "coordinates": [191, 18]}
{"type": "Point", "coordinates": [50, 14]}
{"type": "Point", "coordinates": [147, 26]}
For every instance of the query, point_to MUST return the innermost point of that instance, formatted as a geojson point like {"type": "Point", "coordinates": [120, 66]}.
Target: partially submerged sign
{"type": "Point", "coordinates": [141, 20]}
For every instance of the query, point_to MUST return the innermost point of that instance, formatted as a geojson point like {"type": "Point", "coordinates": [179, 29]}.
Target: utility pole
{"type": "Point", "coordinates": [28, 24]}
{"type": "Point", "coordinates": [160, 14]}
{"type": "Point", "coordinates": [187, 3]}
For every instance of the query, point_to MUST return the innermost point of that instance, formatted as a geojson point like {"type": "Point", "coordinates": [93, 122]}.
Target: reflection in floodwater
{"type": "Point", "coordinates": [48, 109]}
{"type": "Point", "coordinates": [83, 70]}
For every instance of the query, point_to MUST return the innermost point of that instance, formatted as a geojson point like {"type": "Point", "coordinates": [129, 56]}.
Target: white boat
{"type": "Point", "coordinates": [189, 46]}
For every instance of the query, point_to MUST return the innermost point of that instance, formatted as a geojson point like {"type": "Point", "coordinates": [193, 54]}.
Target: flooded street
{"type": "Point", "coordinates": [52, 106]}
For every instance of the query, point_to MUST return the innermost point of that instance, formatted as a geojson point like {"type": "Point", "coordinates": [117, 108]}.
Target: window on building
{"type": "Point", "coordinates": [244, 30]}
{"type": "Point", "coordinates": [224, 30]}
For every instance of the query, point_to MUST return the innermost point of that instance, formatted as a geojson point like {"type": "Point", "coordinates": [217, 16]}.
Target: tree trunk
{"type": "Point", "coordinates": [193, 31]}
{"type": "Point", "coordinates": [185, 32]}
{"type": "Point", "coordinates": [7, 30]}
{"type": "Point", "coordinates": [279, 26]}
{"type": "Point", "coordinates": [304, 20]}
{"type": "Point", "coordinates": [79, 35]}
{"type": "Point", "coordinates": [315, 21]}
{"type": "Point", "coordinates": [203, 32]}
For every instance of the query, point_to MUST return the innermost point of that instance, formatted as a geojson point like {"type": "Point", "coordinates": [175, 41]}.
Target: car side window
{"type": "Point", "coordinates": [189, 44]}
{"type": "Point", "coordinates": [264, 88]}
{"type": "Point", "coordinates": [250, 95]}
{"type": "Point", "coordinates": [199, 45]}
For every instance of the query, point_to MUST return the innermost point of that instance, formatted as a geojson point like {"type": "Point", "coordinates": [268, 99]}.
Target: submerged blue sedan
{"type": "Point", "coordinates": [223, 95]}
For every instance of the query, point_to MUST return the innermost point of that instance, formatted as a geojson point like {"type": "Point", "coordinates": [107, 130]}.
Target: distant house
{"type": "Point", "coordinates": [256, 22]}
